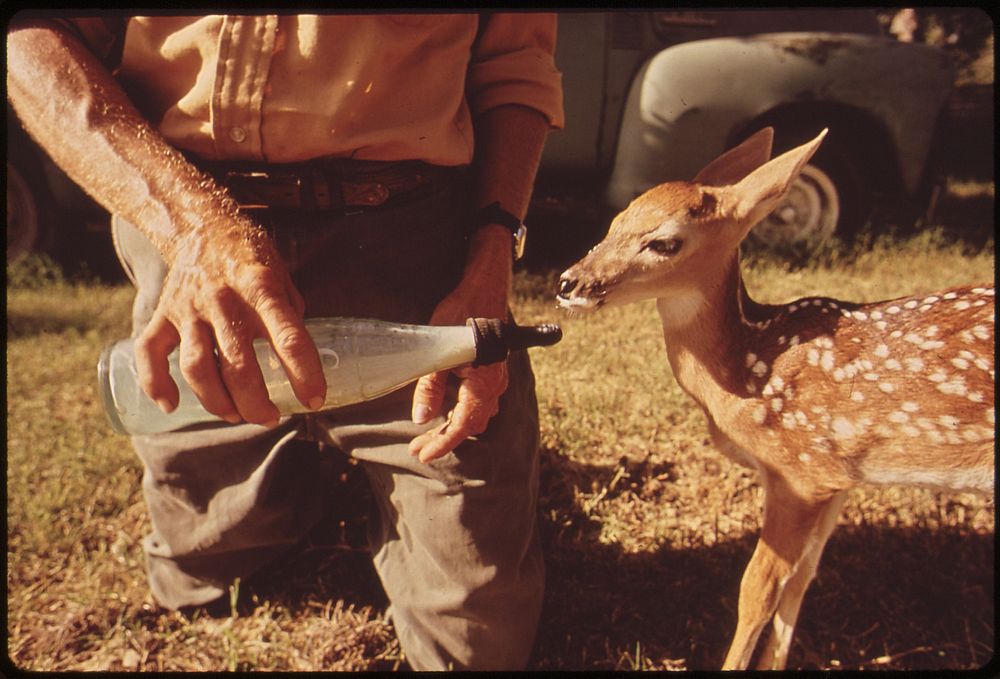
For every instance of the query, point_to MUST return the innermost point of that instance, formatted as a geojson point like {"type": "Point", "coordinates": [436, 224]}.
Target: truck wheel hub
{"type": "Point", "coordinates": [807, 215]}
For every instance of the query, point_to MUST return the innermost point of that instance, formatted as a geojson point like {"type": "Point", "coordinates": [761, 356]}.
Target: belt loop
{"type": "Point", "coordinates": [321, 194]}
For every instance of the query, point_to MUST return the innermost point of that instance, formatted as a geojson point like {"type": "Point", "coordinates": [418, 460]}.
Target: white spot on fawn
{"type": "Point", "coordinates": [843, 428]}
{"type": "Point", "coordinates": [948, 421]}
{"type": "Point", "coordinates": [956, 387]}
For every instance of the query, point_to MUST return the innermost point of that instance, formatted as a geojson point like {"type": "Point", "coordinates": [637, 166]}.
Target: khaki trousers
{"type": "Point", "coordinates": [454, 542]}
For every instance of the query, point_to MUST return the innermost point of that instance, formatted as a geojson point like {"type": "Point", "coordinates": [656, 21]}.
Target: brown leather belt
{"type": "Point", "coordinates": [330, 185]}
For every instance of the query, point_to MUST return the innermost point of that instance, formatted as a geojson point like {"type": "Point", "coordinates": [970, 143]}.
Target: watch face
{"type": "Point", "coordinates": [520, 236]}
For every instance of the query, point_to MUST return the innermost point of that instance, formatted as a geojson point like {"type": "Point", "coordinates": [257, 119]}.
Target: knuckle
{"type": "Point", "coordinates": [222, 297]}
{"type": "Point", "coordinates": [290, 339]}
{"type": "Point", "coordinates": [262, 289]}
{"type": "Point", "coordinates": [197, 364]}
{"type": "Point", "coordinates": [238, 366]}
{"type": "Point", "coordinates": [430, 385]}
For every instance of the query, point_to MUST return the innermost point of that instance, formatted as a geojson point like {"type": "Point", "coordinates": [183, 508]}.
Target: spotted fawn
{"type": "Point", "coordinates": [817, 395]}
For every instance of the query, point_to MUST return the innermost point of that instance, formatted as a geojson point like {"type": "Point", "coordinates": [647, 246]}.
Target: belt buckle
{"type": "Point", "coordinates": [255, 189]}
{"type": "Point", "coordinates": [364, 194]}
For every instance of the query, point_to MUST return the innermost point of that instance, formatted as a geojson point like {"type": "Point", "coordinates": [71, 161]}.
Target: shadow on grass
{"type": "Point", "coordinates": [882, 594]}
{"type": "Point", "coordinates": [885, 597]}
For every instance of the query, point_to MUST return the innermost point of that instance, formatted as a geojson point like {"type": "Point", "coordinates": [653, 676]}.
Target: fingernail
{"type": "Point", "coordinates": [316, 402]}
{"type": "Point", "coordinates": [421, 414]}
{"type": "Point", "coordinates": [165, 405]}
{"type": "Point", "coordinates": [232, 418]}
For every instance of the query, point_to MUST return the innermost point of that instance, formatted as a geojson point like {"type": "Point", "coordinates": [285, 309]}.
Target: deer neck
{"type": "Point", "coordinates": [706, 330]}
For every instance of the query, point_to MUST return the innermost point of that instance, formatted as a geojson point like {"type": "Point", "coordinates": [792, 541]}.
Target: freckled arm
{"type": "Point", "coordinates": [76, 110]}
{"type": "Point", "coordinates": [225, 284]}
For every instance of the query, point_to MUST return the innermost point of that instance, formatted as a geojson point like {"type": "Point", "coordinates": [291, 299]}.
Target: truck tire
{"type": "Point", "coordinates": [828, 199]}
{"type": "Point", "coordinates": [26, 223]}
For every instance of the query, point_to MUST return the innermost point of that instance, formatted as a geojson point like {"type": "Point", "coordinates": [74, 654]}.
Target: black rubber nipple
{"type": "Point", "coordinates": [495, 339]}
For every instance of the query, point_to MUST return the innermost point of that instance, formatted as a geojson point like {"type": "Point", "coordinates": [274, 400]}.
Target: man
{"type": "Point", "coordinates": [260, 168]}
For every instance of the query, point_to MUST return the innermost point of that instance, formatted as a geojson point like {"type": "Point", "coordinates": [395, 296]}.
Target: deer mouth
{"type": "Point", "coordinates": [581, 304]}
{"type": "Point", "coordinates": [576, 297]}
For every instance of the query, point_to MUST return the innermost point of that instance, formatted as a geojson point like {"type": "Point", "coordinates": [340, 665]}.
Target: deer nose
{"type": "Point", "coordinates": [566, 286]}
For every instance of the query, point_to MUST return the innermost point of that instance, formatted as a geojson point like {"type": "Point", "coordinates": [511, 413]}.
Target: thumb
{"type": "Point", "coordinates": [428, 397]}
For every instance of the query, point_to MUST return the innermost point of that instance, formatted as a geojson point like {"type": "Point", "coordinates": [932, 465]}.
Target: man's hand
{"type": "Point", "coordinates": [483, 293]}
{"type": "Point", "coordinates": [220, 294]}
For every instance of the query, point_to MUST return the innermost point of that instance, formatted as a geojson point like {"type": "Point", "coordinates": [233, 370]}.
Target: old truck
{"type": "Point", "coordinates": [653, 96]}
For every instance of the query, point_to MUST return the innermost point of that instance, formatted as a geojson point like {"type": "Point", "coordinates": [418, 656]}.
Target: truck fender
{"type": "Point", "coordinates": [688, 101]}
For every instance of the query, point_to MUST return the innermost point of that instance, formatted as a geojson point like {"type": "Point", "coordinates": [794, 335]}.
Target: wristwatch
{"type": "Point", "coordinates": [494, 214]}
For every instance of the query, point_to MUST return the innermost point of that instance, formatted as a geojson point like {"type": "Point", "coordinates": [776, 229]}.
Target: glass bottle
{"type": "Point", "coordinates": [362, 360]}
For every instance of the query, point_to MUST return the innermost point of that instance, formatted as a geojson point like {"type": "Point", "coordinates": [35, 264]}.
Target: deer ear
{"type": "Point", "coordinates": [759, 193]}
{"type": "Point", "coordinates": [739, 161]}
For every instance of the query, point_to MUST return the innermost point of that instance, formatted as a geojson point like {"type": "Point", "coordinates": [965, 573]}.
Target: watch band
{"type": "Point", "coordinates": [494, 214]}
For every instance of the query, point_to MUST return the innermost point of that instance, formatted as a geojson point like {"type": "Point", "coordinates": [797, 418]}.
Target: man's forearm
{"type": "Point", "coordinates": [509, 142]}
{"type": "Point", "coordinates": [74, 108]}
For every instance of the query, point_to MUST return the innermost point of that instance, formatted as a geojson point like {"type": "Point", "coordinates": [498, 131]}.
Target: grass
{"type": "Point", "coordinates": [646, 528]}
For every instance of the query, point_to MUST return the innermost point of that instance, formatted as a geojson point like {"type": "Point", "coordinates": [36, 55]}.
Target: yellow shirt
{"type": "Point", "coordinates": [287, 88]}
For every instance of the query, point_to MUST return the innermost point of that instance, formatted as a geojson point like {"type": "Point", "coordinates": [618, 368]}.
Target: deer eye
{"type": "Point", "coordinates": [665, 247]}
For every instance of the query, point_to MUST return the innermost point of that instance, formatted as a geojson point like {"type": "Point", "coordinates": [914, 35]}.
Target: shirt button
{"type": "Point", "coordinates": [238, 134]}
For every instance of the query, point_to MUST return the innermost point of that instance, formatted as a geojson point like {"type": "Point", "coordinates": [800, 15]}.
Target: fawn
{"type": "Point", "coordinates": [817, 395]}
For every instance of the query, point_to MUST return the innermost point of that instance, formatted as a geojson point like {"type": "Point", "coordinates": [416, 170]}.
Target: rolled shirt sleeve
{"type": "Point", "coordinates": [513, 62]}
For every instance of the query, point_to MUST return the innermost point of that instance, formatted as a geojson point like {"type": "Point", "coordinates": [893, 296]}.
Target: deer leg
{"type": "Point", "coordinates": [789, 524]}
{"type": "Point", "coordinates": [775, 653]}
